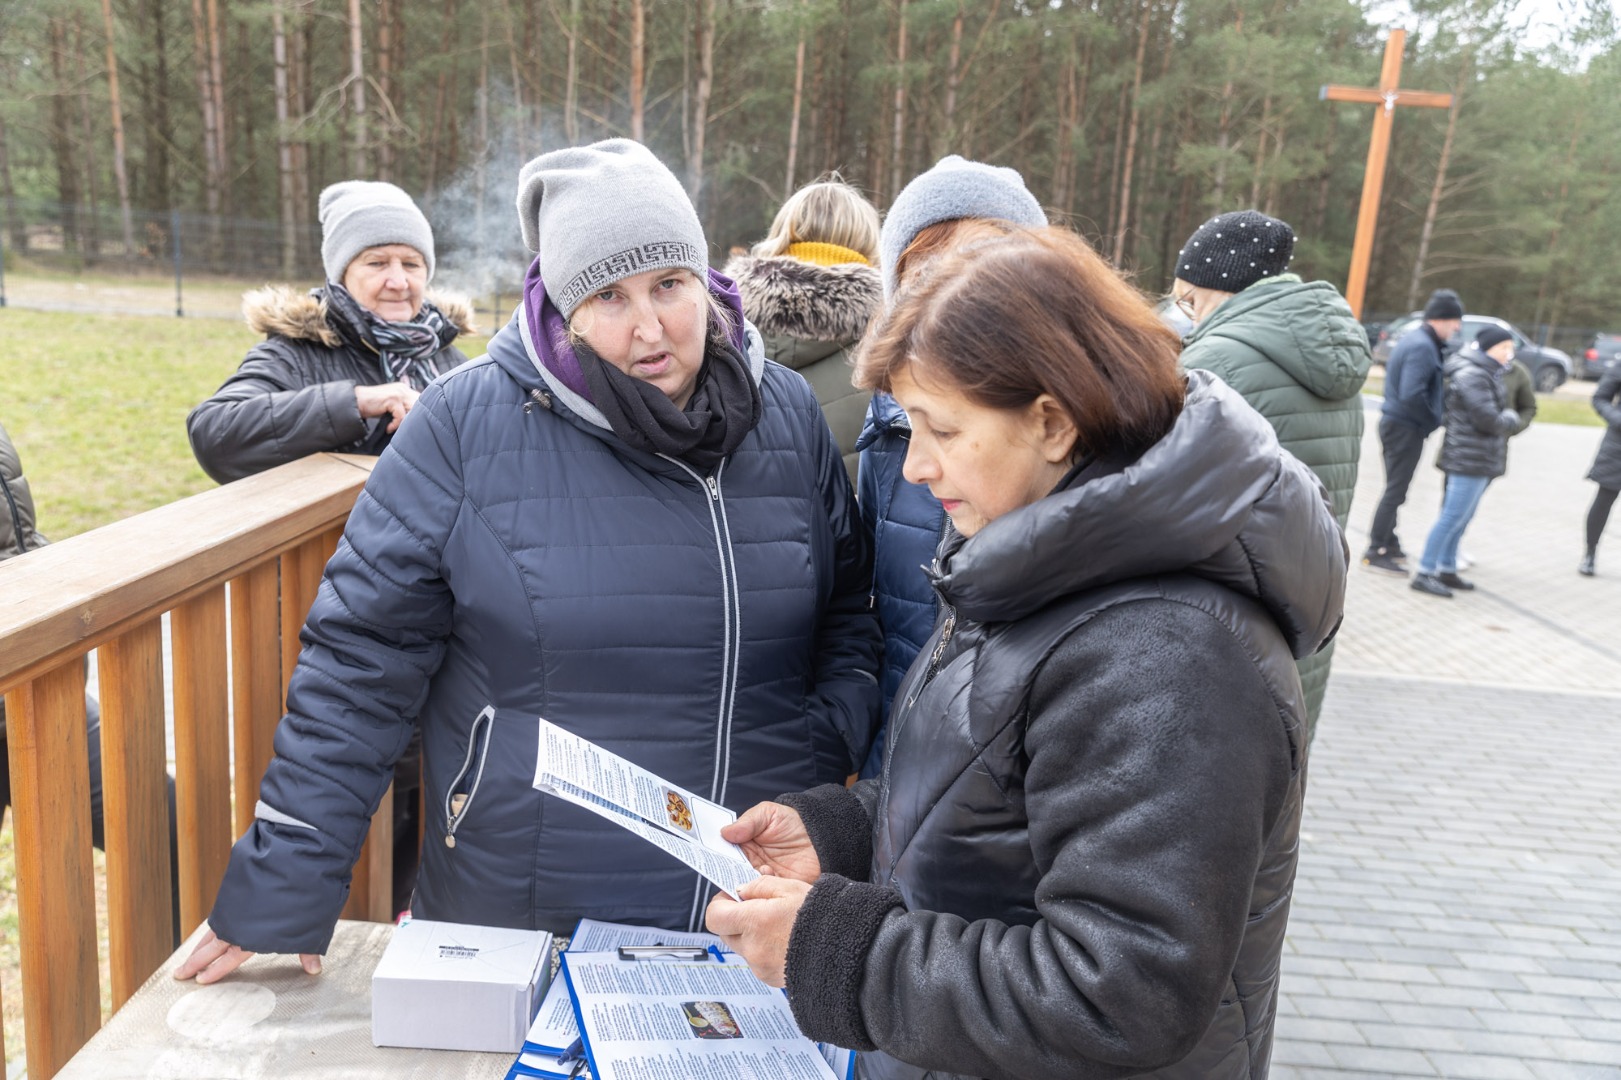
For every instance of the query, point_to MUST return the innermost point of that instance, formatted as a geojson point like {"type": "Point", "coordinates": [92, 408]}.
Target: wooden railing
{"type": "Point", "coordinates": [236, 570]}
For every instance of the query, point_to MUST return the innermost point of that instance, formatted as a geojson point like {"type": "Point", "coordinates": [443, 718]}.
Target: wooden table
{"type": "Point", "coordinates": [268, 1019]}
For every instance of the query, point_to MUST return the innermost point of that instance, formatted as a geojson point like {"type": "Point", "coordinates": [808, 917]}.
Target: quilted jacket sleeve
{"type": "Point", "coordinates": [374, 638]}
{"type": "Point", "coordinates": [266, 415]}
{"type": "Point", "coordinates": [1151, 802]}
{"type": "Point", "coordinates": [1607, 395]}
{"type": "Point", "coordinates": [848, 641]}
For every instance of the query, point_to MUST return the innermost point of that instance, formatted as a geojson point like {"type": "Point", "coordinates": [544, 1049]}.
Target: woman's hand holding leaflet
{"type": "Point", "coordinates": [774, 838]}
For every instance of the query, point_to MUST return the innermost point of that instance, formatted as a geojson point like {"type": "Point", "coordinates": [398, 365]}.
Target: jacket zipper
{"type": "Point", "coordinates": [732, 644]}
{"type": "Point", "coordinates": [459, 796]}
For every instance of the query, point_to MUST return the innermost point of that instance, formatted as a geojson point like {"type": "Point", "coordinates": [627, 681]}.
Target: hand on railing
{"type": "Point", "coordinates": [214, 959]}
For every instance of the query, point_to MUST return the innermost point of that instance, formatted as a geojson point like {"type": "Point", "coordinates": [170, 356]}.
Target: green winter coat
{"type": "Point", "coordinates": [1297, 354]}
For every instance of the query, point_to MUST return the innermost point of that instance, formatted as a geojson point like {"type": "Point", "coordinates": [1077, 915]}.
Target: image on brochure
{"type": "Point", "coordinates": [711, 1020]}
{"type": "Point", "coordinates": [680, 814]}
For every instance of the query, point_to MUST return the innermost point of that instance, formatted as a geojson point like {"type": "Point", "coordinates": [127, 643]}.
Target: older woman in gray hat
{"type": "Point", "coordinates": [341, 365]}
{"type": "Point", "coordinates": [623, 519]}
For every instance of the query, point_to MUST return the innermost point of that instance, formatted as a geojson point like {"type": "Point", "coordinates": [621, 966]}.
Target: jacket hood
{"type": "Point", "coordinates": [884, 415]}
{"type": "Point", "coordinates": [1306, 328]}
{"type": "Point", "coordinates": [1470, 355]}
{"type": "Point", "coordinates": [787, 297]}
{"type": "Point", "coordinates": [1217, 498]}
{"type": "Point", "coordinates": [294, 313]}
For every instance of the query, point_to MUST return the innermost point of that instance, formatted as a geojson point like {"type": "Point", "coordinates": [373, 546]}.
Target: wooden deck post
{"type": "Point", "coordinates": [56, 904]}
{"type": "Point", "coordinates": [135, 807]}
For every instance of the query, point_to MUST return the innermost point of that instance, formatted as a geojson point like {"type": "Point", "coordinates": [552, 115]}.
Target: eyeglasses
{"type": "Point", "coordinates": [1183, 303]}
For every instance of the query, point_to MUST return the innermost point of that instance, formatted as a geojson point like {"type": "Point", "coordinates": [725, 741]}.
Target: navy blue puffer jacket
{"type": "Point", "coordinates": [511, 558]}
{"type": "Point", "coordinates": [907, 524]}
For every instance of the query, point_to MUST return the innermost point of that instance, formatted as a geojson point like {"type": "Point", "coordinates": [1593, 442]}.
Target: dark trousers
{"type": "Point", "coordinates": [1402, 443]}
{"type": "Point", "coordinates": [1599, 515]}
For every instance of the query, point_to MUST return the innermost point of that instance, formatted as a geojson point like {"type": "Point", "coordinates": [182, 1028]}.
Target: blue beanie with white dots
{"type": "Point", "coordinates": [1231, 252]}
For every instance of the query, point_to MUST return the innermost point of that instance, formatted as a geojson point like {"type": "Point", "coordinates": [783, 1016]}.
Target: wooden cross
{"type": "Point", "coordinates": [1373, 180]}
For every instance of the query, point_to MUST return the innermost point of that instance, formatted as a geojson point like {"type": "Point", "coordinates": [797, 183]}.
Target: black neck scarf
{"type": "Point", "coordinates": [407, 349]}
{"type": "Point", "coordinates": [724, 408]}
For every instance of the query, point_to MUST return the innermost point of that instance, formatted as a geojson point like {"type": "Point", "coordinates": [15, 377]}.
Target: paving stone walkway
{"type": "Point", "coordinates": [1458, 907]}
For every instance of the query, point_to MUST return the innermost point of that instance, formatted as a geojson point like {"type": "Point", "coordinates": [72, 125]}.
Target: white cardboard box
{"type": "Point", "coordinates": [446, 986]}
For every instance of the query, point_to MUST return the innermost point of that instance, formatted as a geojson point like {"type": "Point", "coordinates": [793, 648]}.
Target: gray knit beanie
{"type": "Point", "coordinates": [1233, 251]}
{"type": "Point", "coordinates": [360, 214]}
{"type": "Point", "coordinates": [954, 188]}
{"type": "Point", "coordinates": [598, 214]}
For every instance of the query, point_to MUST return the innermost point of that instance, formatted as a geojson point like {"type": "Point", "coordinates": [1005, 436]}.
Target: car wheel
{"type": "Point", "coordinates": [1549, 377]}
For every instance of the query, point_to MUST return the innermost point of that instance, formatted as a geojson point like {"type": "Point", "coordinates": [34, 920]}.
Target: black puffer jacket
{"type": "Point", "coordinates": [1478, 418]}
{"type": "Point", "coordinates": [1606, 468]}
{"type": "Point", "coordinates": [1083, 846]}
{"type": "Point", "coordinates": [294, 394]}
{"type": "Point", "coordinates": [810, 317]}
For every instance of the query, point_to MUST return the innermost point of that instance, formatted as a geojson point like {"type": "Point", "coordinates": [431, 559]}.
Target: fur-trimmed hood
{"type": "Point", "coordinates": [786, 297]}
{"type": "Point", "coordinates": [293, 313]}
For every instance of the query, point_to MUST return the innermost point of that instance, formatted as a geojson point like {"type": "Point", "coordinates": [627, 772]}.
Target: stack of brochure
{"type": "Point", "coordinates": [634, 1002]}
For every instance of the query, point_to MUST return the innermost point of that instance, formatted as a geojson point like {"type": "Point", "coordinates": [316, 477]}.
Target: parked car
{"type": "Point", "coordinates": [1604, 351]}
{"type": "Point", "coordinates": [1549, 366]}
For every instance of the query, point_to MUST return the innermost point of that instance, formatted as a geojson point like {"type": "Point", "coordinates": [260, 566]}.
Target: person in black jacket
{"type": "Point", "coordinates": [342, 365]}
{"type": "Point", "coordinates": [1079, 857]}
{"type": "Point", "coordinates": [623, 519]}
{"type": "Point", "coordinates": [1606, 470]}
{"type": "Point", "coordinates": [1412, 409]}
{"type": "Point", "coordinates": [1479, 421]}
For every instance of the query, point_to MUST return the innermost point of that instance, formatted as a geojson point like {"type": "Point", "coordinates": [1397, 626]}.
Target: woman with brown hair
{"type": "Point", "coordinates": [1079, 857]}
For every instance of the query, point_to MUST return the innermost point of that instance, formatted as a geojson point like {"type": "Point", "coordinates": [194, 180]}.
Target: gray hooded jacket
{"type": "Point", "coordinates": [1079, 859]}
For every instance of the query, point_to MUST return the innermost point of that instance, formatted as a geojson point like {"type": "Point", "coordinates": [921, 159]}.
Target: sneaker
{"type": "Point", "coordinates": [1465, 560]}
{"type": "Point", "coordinates": [1453, 581]}
{"type": "Point", "coordinates": [1429, 583]}
{"type": "Point", "coordinates": [1586, 568]}
{"type": "Point", "coordinates": [1384, 562]}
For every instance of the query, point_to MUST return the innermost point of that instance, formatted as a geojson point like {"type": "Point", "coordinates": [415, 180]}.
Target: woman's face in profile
{"type": "Point", "coordinates": [388, 281]}
{"type": "Point", "coordinates": [651, 326]}
{"type": "Point", "coordinates": [980, 462]}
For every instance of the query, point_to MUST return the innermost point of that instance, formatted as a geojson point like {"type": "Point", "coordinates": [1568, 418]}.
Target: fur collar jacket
{"type": "Point", "coordinates": [786, 297]}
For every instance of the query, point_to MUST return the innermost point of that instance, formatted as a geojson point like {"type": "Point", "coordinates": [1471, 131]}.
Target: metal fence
{"type": "Point", "coordinates": [78, 239]}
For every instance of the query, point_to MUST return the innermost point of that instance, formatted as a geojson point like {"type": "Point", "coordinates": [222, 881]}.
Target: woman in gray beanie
{"type": "Point", "coordinates": [340, 365]}
{"type": "Point", "coordinates": [955, 202]}
{"type": "Point", "coordinates": [623, 519]}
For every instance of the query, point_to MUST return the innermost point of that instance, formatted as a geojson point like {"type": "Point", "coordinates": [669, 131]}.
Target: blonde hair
{"type": "Point", "coordinates": [825, 212]}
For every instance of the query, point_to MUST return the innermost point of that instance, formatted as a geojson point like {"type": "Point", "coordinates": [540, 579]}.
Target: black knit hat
{"type": "Point", "coordinates": [1231, 252]}
{"type": "Point", "coordinates": [1492, 335]}
{"type": "Point", "coordinates": [1444, 304]}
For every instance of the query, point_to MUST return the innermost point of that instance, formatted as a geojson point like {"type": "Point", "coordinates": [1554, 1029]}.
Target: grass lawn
{"type": "Point", "coordinates": [96, 405]}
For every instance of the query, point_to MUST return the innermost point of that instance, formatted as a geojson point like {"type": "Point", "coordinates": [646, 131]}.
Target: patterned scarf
{"type": "Point", "coordinates": [408, 350]}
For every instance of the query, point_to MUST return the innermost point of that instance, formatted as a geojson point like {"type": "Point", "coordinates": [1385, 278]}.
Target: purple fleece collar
{"type": "Point", "coordinates": [549, 330]}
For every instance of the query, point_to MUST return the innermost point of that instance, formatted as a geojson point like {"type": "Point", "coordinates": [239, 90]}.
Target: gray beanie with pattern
{"type": "Point", "coordinates": [360, 214]}
{"type": "Point", "coordinates": [598, 214]}
{"type": "Point", "coordinates": [954, 188]}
